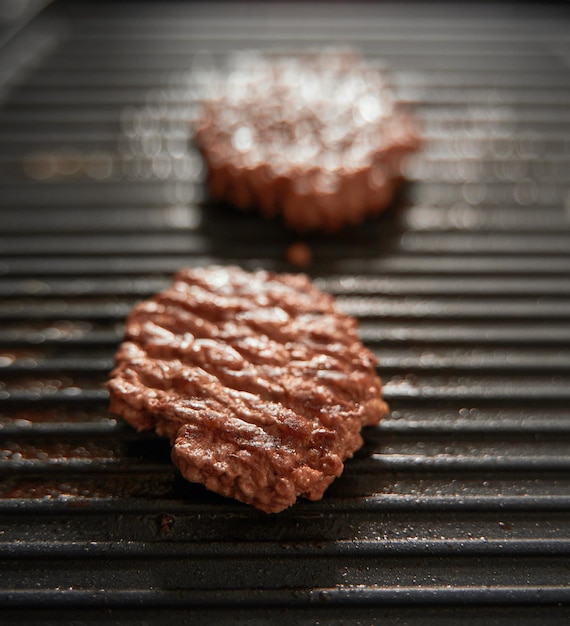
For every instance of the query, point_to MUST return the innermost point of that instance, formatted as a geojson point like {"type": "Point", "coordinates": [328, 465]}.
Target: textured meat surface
{"type": "Point", "coordinates": [318, 139]}
{"type": "Point", "coordinates": [260, 383]}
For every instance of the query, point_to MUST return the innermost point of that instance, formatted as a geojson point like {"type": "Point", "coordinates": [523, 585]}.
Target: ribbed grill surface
{"type": "Point", "coordinates": [457, 510]}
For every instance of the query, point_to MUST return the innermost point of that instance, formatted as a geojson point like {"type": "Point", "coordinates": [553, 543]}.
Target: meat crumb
{"type": "Point", "coordinates": [299, 254]}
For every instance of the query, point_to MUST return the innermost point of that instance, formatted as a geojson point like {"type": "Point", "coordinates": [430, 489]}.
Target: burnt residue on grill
{"type": "Point", "coordinates": [456, 510]}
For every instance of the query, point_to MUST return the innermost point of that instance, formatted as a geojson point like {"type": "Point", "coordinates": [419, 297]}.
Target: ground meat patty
{"type": "Point", "coordinates": [317, 138]}
{"type": "Point", "coordinates": [260, 383]}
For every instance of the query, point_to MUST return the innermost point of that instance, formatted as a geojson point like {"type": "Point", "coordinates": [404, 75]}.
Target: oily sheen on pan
{"type": "Point", "coordinates": [259, 381]}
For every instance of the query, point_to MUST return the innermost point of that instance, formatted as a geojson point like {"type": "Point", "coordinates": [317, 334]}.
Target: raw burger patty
{"type": "Point", "coordinates": [260, 383]}
{"type": "Point", "coordinates": [318, 139]}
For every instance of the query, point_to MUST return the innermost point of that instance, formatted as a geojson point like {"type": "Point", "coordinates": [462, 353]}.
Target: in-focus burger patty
{"type": "Point", "coordinates": [318, 138]}
{"type": "Point", "coordinates": [260, 383]}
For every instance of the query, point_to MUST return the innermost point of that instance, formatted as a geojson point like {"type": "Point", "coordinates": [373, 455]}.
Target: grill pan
{"type": "Point", "coordinates": [457, 508]}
